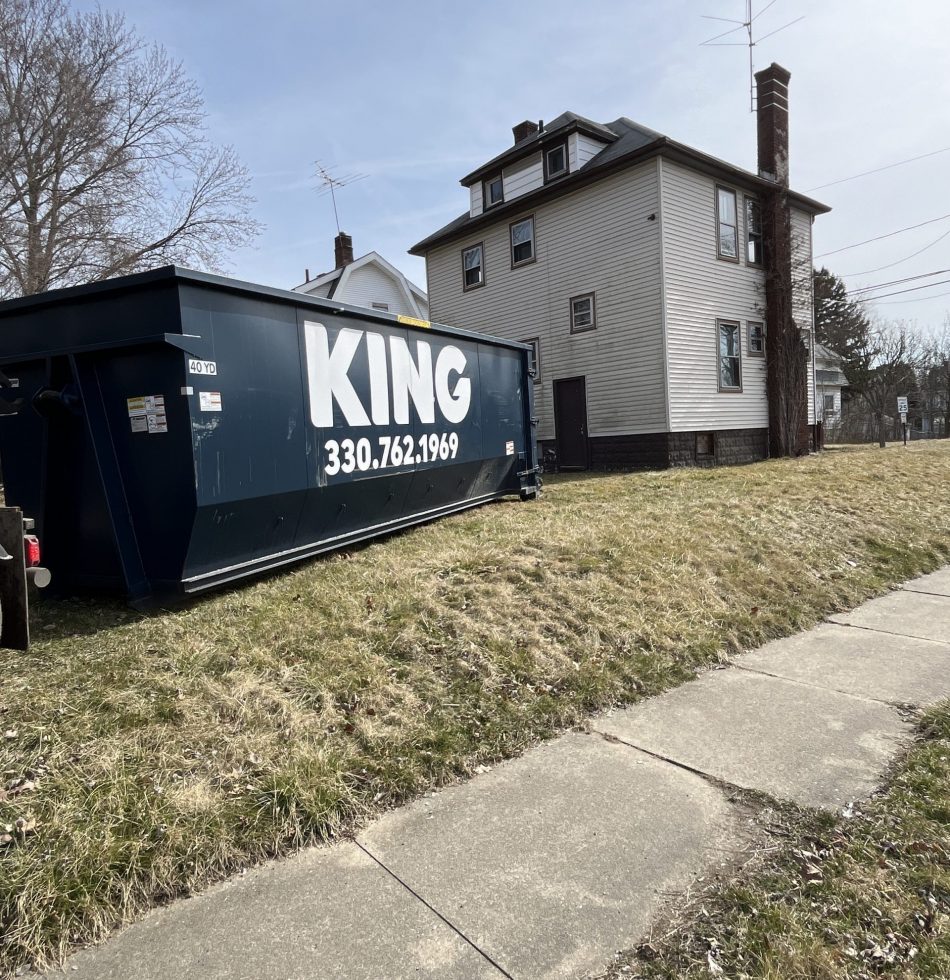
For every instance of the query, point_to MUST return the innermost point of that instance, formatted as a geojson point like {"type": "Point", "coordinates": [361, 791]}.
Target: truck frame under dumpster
{"type": "Point", "coordinates": [174, 431]}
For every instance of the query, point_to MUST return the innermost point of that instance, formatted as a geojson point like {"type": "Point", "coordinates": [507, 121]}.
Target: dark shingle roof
{"type": "Point", "coordinates": [627, 142]}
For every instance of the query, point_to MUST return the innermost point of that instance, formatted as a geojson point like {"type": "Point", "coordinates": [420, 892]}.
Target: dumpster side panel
{"type": "Point", "coordinates": [327, 429]}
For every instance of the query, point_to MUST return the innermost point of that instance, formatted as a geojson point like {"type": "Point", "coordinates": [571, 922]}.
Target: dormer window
{"type": "Point", "coordinates": [555, 161]}
{"type": "Point", "coordinates": [494, 191]}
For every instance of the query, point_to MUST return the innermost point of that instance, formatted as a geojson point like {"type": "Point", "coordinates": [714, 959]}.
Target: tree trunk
{"type": "Point", "coordinates": [881, 433]}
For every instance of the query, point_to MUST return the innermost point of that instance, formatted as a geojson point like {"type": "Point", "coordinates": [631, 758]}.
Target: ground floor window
{"type": "Point", "coordinates": [730, 356]}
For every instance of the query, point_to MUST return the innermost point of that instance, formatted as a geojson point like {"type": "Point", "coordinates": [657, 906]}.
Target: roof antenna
{"type": "Point", "coordinates": [330, 183]}
{"type": "Point", "coordinates": [745, 25]}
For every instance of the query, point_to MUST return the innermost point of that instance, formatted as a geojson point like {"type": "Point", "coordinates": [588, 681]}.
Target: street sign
{"type": "Point", "coordinates": [904, 417]}
{"type": "Point", "coordinates": [902, 404]}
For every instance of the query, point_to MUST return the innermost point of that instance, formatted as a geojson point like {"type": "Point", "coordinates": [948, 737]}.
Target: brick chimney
{"type": "Point", "coordinates": [772, 111]}
{"type": "Point", "coordinates": [786, 363]}
{"type": "Point", "coordinates": [342, 250]}
{"type": "Point", "coordinates": [523, 130]}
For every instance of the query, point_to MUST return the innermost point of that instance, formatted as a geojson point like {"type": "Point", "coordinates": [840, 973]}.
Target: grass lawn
{"type": "Point", "coordinates": [846, 897]}
{"type": "Point", "coordinates": [144, 756]}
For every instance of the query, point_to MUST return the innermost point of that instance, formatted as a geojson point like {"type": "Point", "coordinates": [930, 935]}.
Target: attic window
{"type": "Point", "coordinates": [555, 162]}
{"type": "Point", "coordinates": [381, 306]}
{"type": "Point", "coordinates": [494, 191]}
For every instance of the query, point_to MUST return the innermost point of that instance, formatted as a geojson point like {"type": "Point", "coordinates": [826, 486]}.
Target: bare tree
{"type": "Point", "coordinates": [890, 355]}
{"type": "Point", "coordinates": [105, 166]}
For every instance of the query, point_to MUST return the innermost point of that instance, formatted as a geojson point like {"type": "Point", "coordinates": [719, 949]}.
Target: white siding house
{"type": "Point", "coordinates": [650, 340]}
{"type": "Point", "coordinates": [368, 281]}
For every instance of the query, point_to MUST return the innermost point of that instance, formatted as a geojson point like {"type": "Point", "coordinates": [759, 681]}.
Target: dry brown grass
{"type": "Point", "coordinates": [840, 898]}
{"type": "Point", "coordinates": [170, 750]}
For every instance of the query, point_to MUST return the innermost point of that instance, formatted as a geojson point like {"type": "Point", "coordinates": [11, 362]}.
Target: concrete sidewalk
{"type": "Point", "coordinates": [548, 864]}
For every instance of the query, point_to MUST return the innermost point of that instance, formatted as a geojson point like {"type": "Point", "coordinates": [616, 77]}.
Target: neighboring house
{"type": "Point", "coordinates": [829, 380]}
{"type": "Point", "coordinates": [635, 266]}
{"type": "Point", "coordinates": [367, 281]}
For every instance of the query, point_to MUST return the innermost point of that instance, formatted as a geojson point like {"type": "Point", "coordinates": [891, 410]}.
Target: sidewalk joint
{"type": "Point", "coordinates": [721, 784]}
{"type": "Point", "coordinates": [875, 629]}
{"type": "Point", "coordinates": [434, 911]}
{"type": "Point", "coordinates": [898, 705]}
{"type": "Point", "coordinates": [906, 588]}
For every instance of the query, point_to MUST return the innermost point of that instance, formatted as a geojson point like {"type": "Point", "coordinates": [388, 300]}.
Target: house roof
{"type": "Point", "coordinates": [629, 143]}
{"type": "Point", "coordinates": [337, 278]}
{"type": "Point", "coordinates": [557, 129]}
{"type": "Point", "coordinates": [827, 354]}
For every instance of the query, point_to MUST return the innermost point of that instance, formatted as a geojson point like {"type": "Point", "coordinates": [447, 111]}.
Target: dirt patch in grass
{"type": "Point", "coordinates": [851, 896]}
{"type": "Point", "coordinates": [163, 752]}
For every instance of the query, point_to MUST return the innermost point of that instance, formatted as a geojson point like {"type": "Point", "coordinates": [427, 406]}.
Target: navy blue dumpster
{"type": "Point", "coordinates": [172, 431]}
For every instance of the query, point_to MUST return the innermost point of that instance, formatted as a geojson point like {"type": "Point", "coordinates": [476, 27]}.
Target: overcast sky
{"type": "Point", "coordinates": [416, 94]}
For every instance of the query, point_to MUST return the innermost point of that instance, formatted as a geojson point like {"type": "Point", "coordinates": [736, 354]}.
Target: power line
{"type": "Point", "coordinates": [890, 234]}
{"type": "Point", "coordinates": [906, 258]}
{"type": "Point", "coordinates": [918, 299]}
{"type": "Point", "coordinates": [897, 282]}
{"type": "Point", "coordinates": [889, 166]}
{"type": "Point", "coordinates": [910, 289]}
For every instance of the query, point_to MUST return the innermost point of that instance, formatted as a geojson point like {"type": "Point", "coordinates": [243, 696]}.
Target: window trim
{"type": "Point", "coordinates": [735, 194]}
{"type": "Point", "coordinates": [593, 312]}
{"type": "Point", "coordinates": [720, 323]}
{"type": "Point", "coordinates": [548, 176]}
{"type": "Point", "coordinates": [534, 241]}
{"type": "Point", "coordinates": [825, 396]}
{"type": "Point", "coordinates": [486, 206]}
{"type": "Point", "coordinates": [752, 351]}
{"type": "Point", "coordinates": [381, 307]}
{"type": "Point", "coordinates": [535, 342]}
{"type": "Point", "coordinates": [468, 248]}
{"type": "Point", "coordinates": [747, 198]}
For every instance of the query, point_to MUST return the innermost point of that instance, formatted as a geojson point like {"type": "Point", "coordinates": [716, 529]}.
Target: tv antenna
{"type": "Point", "coordinates": [331, 183]}
{"type": "Point", "coordinates": [745, 25]}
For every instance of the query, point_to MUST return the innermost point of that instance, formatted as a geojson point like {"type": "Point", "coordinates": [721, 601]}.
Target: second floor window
{"type": "Point", "coordinates": [730, 357]}
{"type": "Point", "coordinates": [728, 225]}
{"type": "Point", "coordinates": [522, 242]}
{"type": "Point", "coordinates": [494, 191]}
{"type": "Point", "coordinates": [473, 269]}
{"type": "Point", "coordinates": [582, 313]}
{"type": "Point", "coordinates": [753, 231]}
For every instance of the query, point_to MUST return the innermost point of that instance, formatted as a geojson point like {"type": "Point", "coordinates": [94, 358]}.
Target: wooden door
{"type": "Point", "coordinates": [570, 423]}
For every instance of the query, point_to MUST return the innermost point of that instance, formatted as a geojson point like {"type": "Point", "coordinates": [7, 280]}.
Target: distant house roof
{"type": "Point", "coordinates": [337, 278]}
{"type": "Point", "coordinates": [831, 373]}
{"type": "Point", "coordinates": [626, 143]}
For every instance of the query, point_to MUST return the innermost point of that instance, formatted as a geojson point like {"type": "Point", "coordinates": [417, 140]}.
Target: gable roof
{"type": "Point", "coordinates": [630, 143]}
{"type": "Point", "coordinates": [339, 276]}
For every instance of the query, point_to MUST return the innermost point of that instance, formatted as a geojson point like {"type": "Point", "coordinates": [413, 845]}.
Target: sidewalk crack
{"type": "Point", "coordinates": [434, 911]}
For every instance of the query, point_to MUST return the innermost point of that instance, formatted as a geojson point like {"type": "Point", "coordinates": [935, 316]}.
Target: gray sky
{"type": "Point", "coordinates": [416, 94]}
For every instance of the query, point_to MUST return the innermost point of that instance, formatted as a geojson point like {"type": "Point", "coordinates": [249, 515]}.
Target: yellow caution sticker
{"type": "Point", "coordinates": [412, 321]}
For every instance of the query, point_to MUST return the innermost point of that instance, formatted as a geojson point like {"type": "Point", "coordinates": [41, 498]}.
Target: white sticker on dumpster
{"type": "Point", "coordinates": [147, 413]}
{"type": "Point", "coordinates": [201, 367]}
{"type": "Point", "coordinates": [209, 401]}
{"type": "Point", "coordinates": [509, 448]}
